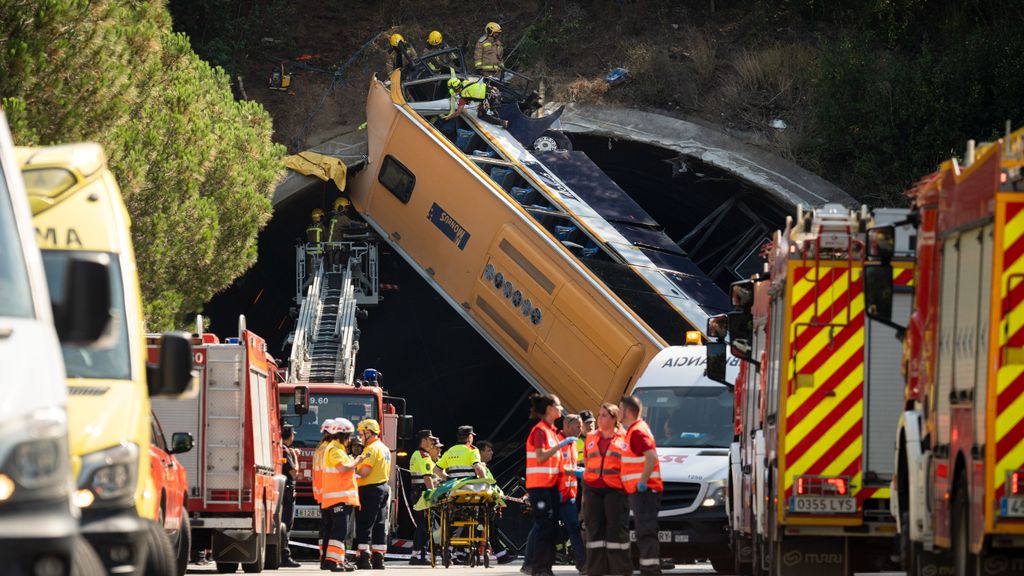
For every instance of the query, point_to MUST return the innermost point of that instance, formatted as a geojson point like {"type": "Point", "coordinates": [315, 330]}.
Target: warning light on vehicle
{"type": "Point", "coordinates": [692, 337]}
{"type": "Point", "coordinates": [822, 486]}
{"type": "Point", "coordinates": [1015, 482]}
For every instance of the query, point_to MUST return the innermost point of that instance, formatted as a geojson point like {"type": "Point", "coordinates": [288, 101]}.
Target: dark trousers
{"type": "Point", "coordinates": [540, 544]}
{"type": "Point", "coordinates": [372, 518]}
{"type": "Point", "coordinates": [339, 531]}
{"type": "Point", "coordinates": [485, 111]}
{"type": "Point", "coordinates": [606, 518]}
{"type": "Point", "coordinates": [325, 532]}
{"type": "Point", "coordinates": [288, 517]}
{"type": "Point", "coordinates": [571, 520]}
{"type": "Point", "coordinates": [419, 537]}
{"type": "Point", "coordinates": [645, 507]}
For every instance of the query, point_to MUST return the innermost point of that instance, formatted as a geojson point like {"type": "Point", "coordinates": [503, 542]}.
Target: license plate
{"type": "Point", "coordinates": [1012, 508]}
{"type": "Point", "coordinates": [664, 536]}
{"type": "Point", "coordinates": [823, 505]}
{"type": "Point", "coordinates": [307, 512]}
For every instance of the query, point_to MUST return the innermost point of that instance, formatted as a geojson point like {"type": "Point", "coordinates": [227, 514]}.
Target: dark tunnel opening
{"type": "Point", "coordinates": [428, 355]}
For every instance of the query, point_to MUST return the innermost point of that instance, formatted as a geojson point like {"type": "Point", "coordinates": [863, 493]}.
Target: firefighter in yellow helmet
{"type": "Point", "coordinates": [462, 92]}
{"type": "Point", "coordinates": [489, 54]}
{"type": "Point", "coordinates": [372, 477]}
{"type": "Point", "coordinates": [438, 64]}
{"type": "Point", "coordinates": [314, 240]}
{"type": "Point", "coordinates": [400, 52]}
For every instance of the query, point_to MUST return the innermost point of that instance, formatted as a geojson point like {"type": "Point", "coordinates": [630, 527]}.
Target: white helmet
{"type": "Point", "coordinates": [340, 426]}
{"type": "Point", "coordinates": [325, 427]}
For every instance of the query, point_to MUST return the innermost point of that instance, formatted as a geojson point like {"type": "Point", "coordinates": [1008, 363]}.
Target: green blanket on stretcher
{"type": "Point", "coordinates": [432, 497]}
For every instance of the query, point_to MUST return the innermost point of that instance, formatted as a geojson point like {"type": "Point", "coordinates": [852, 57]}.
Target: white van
{"type": "Point", "coordinates": [691, 418]}
{"type": "Point", "coordinates": [38, 523]}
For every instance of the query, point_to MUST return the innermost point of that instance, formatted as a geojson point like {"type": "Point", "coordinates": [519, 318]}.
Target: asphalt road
{"type": "Point", "coordinates": [400, 568]}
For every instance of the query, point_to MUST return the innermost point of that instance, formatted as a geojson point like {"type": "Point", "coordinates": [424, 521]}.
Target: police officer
{"type": "Point", "coordinates": [488, 56]}
{"type": "Point", "coordinates": [340, 494]}
{"type": "Point", "coordinates": [641, 477]}
{"type": "Point", "coordinates": [421, 468]}
{"type": "Point", "coordinates": [290, 469]}
{"type": "Point", "coordinates": [374, 494]}
{"type": "Point", "coordinates": [463, 459]}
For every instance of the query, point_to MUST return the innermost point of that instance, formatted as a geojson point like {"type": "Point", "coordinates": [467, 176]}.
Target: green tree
{"type": "Point", "coordinates": [196, 167]}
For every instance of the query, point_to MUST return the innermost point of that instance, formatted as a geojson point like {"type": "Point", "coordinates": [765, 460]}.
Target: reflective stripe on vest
{"type": "Point", "coordinates": [338, 487]}
{"type": "Point", "coordinates": [474, 90]}
{"type": "Point", "coordinates": [567, 485]}
{"type": "Point", "coordinates": [608, 466]}
{"type": "Point", "coordinates": [542, 474]}
{"type": "Point", "coordinates": [633, 464]}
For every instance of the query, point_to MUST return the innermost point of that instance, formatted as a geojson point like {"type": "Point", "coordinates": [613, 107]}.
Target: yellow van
{"type": "Point", "coordinates": [78, 212]}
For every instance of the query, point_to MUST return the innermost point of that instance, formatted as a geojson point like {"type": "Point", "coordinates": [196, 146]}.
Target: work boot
{"type": "Point", "coordinates": [417, 559]}
{"type": "Point", "coordinates": [325, 565]}
{"type": "Point", "coordinates": [340, 567]}
{"type": "Point", "coordinates": [363, 562]}
{"type": "Point", "coordinates": [377, 562]}
{"type": "Point", "coordinates": [290, 563]}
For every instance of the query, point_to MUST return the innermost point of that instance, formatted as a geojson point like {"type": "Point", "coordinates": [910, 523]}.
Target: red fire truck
{"type": "Point", "coordinates": [235, 480]}
{"type": "Point", "coordinates": [810, 465]}
{"type": "Point", "coordinates": [959, 486]}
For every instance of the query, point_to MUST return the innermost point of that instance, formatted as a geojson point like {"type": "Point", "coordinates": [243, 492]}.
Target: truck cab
{"type": "Point", "coordinates": [691, 418]}
{"type": "Point", "coordinates": [38, 523]}
{"type": "Point", "coordinates": [79, 214]}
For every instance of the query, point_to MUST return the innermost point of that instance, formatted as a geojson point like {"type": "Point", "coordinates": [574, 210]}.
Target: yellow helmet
{"type": "Point", "coordinates": [435, 38]}
{"type": "Point", "coordinates": [395, 39]}
{"type": "Point", "coordinates": [371, 425]}
{"type": "Point", "coordinates": [341, 202]}
{"type": "Point", "coordinates": [317, 214]}
{"type": "Point", "coordinates": [492, 28]}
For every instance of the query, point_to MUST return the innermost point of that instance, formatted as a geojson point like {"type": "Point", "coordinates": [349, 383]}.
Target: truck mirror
{"type": "Point", "coordinates": [741, 335]}
{"type": "Point", "coordinates": [742, 295]}
{"type": "Point", "coordinates": [173, 375]}
{"type": "Point", "coordinates": [882, 243]}
{"type": "Point", "coordinates": [405, 430]}
{"type": "Point", "coordinates": [181, 442]}
{"type": "Point", "coordinates": [300, 400]}
{"type": "Point", "coordinates": [878, 291]}
{"type": "Point", "coordinates": [718, 326]}
{"type": "Point", "coordinates": [716, 362]}
{"type": "Point", "coordinates": [83, 314]}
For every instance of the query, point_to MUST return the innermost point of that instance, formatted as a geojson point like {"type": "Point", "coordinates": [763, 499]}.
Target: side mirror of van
{"type": "Point", "coordinates": [300, 400]}
{"type": "Point", "coordinates": [717, 360]}
{"type": "Point", "coordinates": [173, 376]}
{"type": "Point", "coordinates": [181, 442]}
{"type": "Point", "coordinates": [405, 430]}
{"type": "Point", "coordinates": [83, 314]}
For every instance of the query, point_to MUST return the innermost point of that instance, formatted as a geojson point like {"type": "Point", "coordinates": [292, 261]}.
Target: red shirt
{"type": "Point", "coordinates": [639, 444]}
{"type": "Point", "coordinates": [602, 446]}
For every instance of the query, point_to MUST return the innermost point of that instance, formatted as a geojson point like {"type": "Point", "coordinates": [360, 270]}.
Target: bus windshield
{"type": "Point", "coordinates": [689, 416]}
{"type": "Point", "coordinates": [324, 406]}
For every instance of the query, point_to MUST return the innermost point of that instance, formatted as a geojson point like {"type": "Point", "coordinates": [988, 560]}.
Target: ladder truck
{"type": "Point", "coordinates": [958, 490]}
{"type": "Point", "coordinates": [334, 282]}
{"type": "Point", "coordinates": [811, 460]}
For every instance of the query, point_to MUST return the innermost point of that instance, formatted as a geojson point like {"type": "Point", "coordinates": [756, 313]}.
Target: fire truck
{"type": "Point", "coordinates": [234, 475]}
{"type": "Point", "coordinates": [959, 484]}
{"type": "Point", "coordinates": [335, 282]}
{"type": "Point", "coordinates": [812, 456]}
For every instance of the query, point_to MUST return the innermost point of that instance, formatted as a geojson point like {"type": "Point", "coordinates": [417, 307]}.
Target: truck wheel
{"type": "Point", "coordinates": [261, 551]}
{"type": "Point", "coordinates": [84, 561]}
{"type": "Point", "coordinates": [227, 567]}
{"type": "Point", "coordinates": [724, 565]}
{"type": "Point", "coordinates": [550, 141]}
{"type": "Point", "coordinates": [184, 543]}
{"type": "Point", "coordinates": [160, 557]}
{"type": "Point", "coordinates": [964, 562]}
{"type": "Point", "coordinates": [274, 548]}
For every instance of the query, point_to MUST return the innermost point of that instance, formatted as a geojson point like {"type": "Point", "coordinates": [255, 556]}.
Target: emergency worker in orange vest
{"type": "Point", "coordinates": [641, 477]}
{"type": "Point", "coordinates": [543, 464]}
{"type": "Point", "coordinates": [605, 509]}
{"type": "Point", "coordinates": [339, 494]}
{"type": "Point", "coordinates": [325, 519]}
{"type": "Point", "coordinates": [568, 488]}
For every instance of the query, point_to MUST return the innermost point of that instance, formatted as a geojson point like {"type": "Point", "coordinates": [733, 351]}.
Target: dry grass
{"type": "Point", "coordinates": [584, 90]}
{"type": "Point", "coordinates": [764, 84]}
{"type": "Point", "coordinates": [702, 49]}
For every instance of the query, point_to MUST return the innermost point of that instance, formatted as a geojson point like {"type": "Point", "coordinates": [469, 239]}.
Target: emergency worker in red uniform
{"type": "Point", "coordinates": [543, 464]}
{"type": "Point", "coordinates": [605, 509]}
{"type": "Point", "coordinates": [568, 488]}
{"type": "Point", "coordinates": [641, 477]}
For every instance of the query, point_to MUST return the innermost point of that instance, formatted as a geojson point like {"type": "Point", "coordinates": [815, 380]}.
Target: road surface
{"type": "Point", "coordinates": [400, 568]}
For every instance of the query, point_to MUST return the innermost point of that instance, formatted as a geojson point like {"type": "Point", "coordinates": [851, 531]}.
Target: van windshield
{"type": "Point", "coordinates": [15, 293]}
{"type": "Point", "coordinates": [324, 406]}
{"type": "Point", "coordinates": [690, 416]}
{"type": "Point", "coordinates": [113, 361]}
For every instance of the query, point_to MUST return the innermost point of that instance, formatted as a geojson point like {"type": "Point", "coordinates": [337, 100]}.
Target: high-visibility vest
{"type": "Point", "coordinates": [458, 461]}
{"type": "Point", "coordinates": [607, 466]}
{"type": "Point", "coordinates": [420, 465]}
{"type": "Point", "coordinates": [542, 474]}
{"type": "Point", "coordinates": [580, 453]}
{"type": "Point", "coordinates": [338, 487]}
{"type": "Point", "coordinates": [318, 456]}
{"type": "Point", "coordinates": [633, 464]}
{"type": "Point", "coordinates": [567, 482]}
{"type": "Point", "coordinates": [475, 90]}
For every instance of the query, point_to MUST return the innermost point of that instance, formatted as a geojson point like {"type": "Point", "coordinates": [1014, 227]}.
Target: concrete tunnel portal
{"type": "Point", "coordinates": [719, 201]}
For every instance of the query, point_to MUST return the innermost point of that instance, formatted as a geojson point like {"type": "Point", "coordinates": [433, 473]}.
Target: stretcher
{"type": "Point", "coordinates": [462, 510]}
